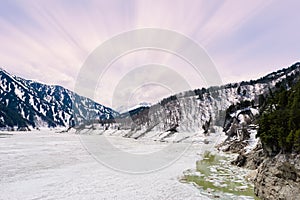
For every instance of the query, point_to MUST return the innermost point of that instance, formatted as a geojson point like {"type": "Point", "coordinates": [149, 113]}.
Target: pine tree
{"type": "Point", "coordinates": [279, 125]}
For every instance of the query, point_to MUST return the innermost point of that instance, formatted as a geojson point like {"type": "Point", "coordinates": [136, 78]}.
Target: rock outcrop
{"type": "Point", "coordinates": [251, 160]}
{"type": "Point", "coordinates": [278, 178]}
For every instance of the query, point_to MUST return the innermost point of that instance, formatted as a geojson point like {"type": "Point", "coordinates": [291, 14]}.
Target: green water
{"type": "Point", "coordinates": [217, 176]}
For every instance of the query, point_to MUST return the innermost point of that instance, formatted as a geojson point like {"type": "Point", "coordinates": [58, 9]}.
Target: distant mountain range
{"type": "Point", "coordinates": [26, 103]}
{"type": "Point", "coordinates": [126, 109]}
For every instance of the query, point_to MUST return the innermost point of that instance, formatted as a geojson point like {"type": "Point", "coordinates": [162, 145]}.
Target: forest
{"type": "Point", "coordinates": [279, 124]}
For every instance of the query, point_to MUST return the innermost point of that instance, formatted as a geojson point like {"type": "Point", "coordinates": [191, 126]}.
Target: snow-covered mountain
{"type": "Point", "coordinates": [26, 103]}
{"type": "Point", "coordinates": [125, 109]}
{"type": "Point", "coordinates": [202, 110]}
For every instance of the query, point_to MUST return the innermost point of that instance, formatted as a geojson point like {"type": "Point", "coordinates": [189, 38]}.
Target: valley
{"type": "Point", "coordinates": [60, 144]}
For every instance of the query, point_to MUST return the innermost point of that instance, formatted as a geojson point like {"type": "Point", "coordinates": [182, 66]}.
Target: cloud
{"type": "Point", "coordinates": [50, 40]}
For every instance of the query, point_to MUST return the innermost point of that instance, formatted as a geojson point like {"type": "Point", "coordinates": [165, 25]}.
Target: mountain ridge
{"type": "Point", "coordinates": [36, 104]}
{"type": "Point", "coordinates": [191, 111]}
{"type": "Point", "coordinates": [27, 103]}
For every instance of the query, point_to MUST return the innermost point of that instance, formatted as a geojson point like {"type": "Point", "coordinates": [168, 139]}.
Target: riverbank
{"type": "Point", "coordinates": [217, 178]}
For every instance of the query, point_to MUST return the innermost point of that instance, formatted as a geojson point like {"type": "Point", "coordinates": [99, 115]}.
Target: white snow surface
{"type": "Point", "coordinates": [48, 165]}
{"type": "Point", "coordinates": [252, 142]}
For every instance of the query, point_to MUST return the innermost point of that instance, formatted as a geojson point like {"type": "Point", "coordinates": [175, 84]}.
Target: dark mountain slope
{"type": "Point", "coordinates": [26, 103]}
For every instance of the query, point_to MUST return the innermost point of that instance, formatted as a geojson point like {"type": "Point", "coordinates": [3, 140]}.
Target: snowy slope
{"type": "Point", "coordinates": [189, 111]}
{"type": "Point", "coordinates": [26, 103]}
{"type": "Point", "coordinates": [126, 109]}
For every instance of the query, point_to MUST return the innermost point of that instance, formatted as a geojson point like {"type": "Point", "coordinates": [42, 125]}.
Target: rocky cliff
{"type": "Point", "coordinates": [278, 178]}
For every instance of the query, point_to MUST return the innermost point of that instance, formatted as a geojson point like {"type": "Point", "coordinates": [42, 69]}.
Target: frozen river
{"type": "Point", "coordinates": [48, 165]}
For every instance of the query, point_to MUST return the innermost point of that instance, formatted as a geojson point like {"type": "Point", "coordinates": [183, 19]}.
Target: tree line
{"type": "Point", "coordinates": [279, 124]}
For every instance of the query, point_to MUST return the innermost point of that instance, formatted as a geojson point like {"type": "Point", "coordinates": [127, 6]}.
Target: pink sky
{"type": "Point", "coordinates": [49, 40]}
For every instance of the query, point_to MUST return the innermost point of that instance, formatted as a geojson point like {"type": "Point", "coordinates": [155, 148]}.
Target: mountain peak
{"type": "Point", "coordinates": [26, 103]}
{"type": "Point", "coordinates": [4, 71]}
{"type": "Point", "coordinates": [124, 109]}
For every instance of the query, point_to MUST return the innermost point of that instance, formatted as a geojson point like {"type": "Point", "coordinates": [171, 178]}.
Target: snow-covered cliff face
{"type": "Point", "coordinates": [202, 109]}
{"type": "Point", "coordinates": [25, 103]}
